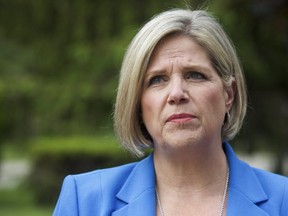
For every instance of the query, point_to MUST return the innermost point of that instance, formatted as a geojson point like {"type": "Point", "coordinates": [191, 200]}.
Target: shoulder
{"type": "Point", "coordinates": [268, 178]}
{"type": "Point", "coordinates": [94, 180]}
{"type": "Point", "coordinates": [114, 171]}
{"type": "Point", "coordinates": [275, 186]}
{"type": "Point", "coordinates": [245, 172]}
{"type": "Point", "coordinates": [86, 192]}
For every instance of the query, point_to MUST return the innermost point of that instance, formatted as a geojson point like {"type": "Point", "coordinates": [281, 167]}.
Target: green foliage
{"type": "Point", "coordinates": [59, 63]}
{"type": "Point", "coordinates": [259, 31]}
{"type": "Point", "coordinates": [60, 60]}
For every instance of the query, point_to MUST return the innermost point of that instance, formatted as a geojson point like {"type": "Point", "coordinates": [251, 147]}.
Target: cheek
{"type": "Point", "coordinates": [214, 104]}
{"type": "Point", "coordinates": [145, 108]}
{"type": "Point", "coordinates": [151, 106]}
{"type": "Point", "coordinates": [148, 108]}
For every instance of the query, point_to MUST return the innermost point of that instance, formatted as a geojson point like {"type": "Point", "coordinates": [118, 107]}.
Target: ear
{"type": "Point", "coordinates": [230, 94]}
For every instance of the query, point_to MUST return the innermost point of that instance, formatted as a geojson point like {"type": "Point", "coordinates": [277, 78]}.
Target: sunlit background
{"type": "Point", "coordinates": [59, 66]}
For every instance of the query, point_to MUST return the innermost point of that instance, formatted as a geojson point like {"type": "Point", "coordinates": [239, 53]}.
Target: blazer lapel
{"type": "Point", "coordinates": [138, 192]}
{"type": "Point", "coordinates": [137, 196]}
{"type": "Point", "coordinates": [245, 190]}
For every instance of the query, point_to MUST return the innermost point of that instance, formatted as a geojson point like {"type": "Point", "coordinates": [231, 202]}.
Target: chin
{"type": "Point", "coordinates": [183, 139]}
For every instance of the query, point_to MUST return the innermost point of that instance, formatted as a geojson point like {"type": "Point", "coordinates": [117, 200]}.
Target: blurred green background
{"type": "Point", "coordinates": [59, 66]}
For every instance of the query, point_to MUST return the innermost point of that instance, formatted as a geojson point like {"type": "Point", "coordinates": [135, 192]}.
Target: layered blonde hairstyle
{"type": "Point", "coordinates": [203, 29]}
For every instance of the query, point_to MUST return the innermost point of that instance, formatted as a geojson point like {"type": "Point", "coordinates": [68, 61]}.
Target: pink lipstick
{"type": "Point", "coordinates": [181, 117]}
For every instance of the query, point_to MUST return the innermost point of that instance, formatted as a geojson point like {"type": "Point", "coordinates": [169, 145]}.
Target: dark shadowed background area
{"type": "Point", "coordinates": [59, 66]}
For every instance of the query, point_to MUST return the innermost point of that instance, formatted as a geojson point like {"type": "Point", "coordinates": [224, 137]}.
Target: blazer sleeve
{"type": "Point", "coordinates": [67, 204]}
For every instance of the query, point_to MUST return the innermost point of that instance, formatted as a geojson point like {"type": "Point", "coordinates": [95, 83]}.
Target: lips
{"type": "Point", "coordinates": [181, 117]}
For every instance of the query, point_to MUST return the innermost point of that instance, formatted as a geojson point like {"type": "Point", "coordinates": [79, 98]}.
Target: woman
{"type": "Point", "coordinates": [182, 93]}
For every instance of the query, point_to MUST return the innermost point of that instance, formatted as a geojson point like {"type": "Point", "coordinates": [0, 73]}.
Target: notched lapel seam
{"type": "Point", "coordinates": [142, 205]}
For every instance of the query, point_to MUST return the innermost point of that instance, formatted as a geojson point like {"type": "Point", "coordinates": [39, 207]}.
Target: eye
{"type": "Point", "coordinates": [156, 80]}
{"type": "Point", "coordinates": [195, 75]}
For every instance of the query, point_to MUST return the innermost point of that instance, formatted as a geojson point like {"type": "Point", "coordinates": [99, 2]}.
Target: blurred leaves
{"type": "Point", "coordinates": [60, 60]}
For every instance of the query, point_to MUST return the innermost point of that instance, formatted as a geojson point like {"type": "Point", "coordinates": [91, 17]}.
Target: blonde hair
{"type": "Point", "coordinates": [204, 30]}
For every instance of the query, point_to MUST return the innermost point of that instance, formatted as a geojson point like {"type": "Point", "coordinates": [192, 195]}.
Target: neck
{"type": "Point", "coordinates": [191, 181]}
{"type": "Point", "coordinates": [190, 170]}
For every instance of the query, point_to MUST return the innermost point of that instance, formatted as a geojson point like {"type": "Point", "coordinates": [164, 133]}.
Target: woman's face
{"type": "Point", "coordinates": [183, 101]}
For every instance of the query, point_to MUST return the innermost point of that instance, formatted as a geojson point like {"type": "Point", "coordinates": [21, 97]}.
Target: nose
{"type": "Point", "coordinates": [177, 92]}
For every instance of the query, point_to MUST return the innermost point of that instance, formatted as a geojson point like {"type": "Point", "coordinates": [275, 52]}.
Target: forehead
{"type": "Point", "coordinates": [180, 48]}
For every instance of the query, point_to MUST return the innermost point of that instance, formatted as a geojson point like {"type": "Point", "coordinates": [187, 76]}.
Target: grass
{"type": "Point", "coordinates": [26, 211]}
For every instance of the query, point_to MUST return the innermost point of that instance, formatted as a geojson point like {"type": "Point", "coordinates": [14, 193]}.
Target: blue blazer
{"type": "Point", "coordinates": [129, 190]}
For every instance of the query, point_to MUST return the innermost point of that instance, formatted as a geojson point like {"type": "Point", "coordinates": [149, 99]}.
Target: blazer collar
{"type": "Point", "coordinates": [245, 190]}
{"type": "Point", "coordinates": [138, 192]}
